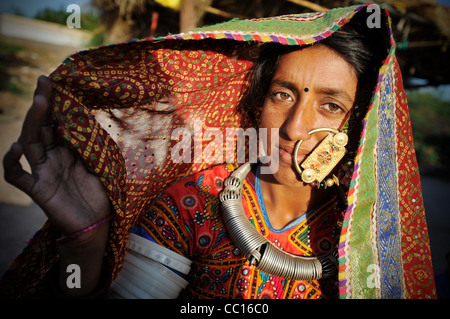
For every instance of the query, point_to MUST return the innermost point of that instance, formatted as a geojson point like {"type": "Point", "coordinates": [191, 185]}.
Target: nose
{"type": "Point", "coordinates": [299, 121]}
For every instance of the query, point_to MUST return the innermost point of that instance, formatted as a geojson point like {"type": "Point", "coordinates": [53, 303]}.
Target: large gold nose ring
{"type": "Point", "coordinates": [340, 139]}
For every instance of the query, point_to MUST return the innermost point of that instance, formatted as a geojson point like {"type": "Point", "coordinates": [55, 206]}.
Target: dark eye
{"type": "Point", "coordinates": [283, 96]}
{"type": "Point", "coordinates": [333, 108]}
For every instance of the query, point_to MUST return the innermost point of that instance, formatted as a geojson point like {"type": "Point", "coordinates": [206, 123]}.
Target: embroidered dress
{"type": "Point", "coordinates": [118, 106]}
{"type": "Point", "coordinates": [187, 219]}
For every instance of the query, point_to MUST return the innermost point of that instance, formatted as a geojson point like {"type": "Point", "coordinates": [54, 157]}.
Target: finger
{"type": "Point", "coordinates": [47, 137]}
{"type": "Point", "coordinates": [14, 173]}
{"type": "Point", "coordinates": [37, 132]}
{"type": "Point", "coordinates": [30, 137]}
{"type": "Point", "coordinates": [44, 87]}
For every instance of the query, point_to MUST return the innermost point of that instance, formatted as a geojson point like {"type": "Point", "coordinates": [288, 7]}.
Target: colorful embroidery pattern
{"type": "Point", "coordinates": [378, 258]}
{"type": "Point", "coordinates": [218, 268]}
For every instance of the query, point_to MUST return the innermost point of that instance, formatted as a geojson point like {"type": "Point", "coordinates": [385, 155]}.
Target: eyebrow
{"type": "Point", "coordinates": [286, 84]}
{"type": "Point", "coordinates": [334, 92]}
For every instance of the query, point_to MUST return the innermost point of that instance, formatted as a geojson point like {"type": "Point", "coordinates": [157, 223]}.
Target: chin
{"type": "Point", "coordinates": [288, 179]}
{"type": "Point", "coordinates": [287, 176]}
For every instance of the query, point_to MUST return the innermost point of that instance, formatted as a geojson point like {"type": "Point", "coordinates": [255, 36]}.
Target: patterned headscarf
{"type": "Point", "coordinates": [117, 106]}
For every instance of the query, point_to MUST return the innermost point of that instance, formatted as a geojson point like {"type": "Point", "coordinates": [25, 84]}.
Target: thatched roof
{"type": "Point", "coordinates": [421, 30]}
{"type": "Point", "coordinates": [421, 27]}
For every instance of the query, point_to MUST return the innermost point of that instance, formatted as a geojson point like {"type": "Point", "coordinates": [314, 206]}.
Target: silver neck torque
{"type": "Point", "coordinates": [258, 249]}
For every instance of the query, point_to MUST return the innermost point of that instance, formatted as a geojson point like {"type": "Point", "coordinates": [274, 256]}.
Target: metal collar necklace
{"type": "Point", "coordinates": [258, 249]}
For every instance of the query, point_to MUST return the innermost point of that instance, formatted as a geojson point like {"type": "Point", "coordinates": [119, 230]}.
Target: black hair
{"type": "Point", "coordinates": [362, 47]}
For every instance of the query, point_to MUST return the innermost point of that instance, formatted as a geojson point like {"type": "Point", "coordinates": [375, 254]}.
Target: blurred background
{"type": "Point", "coordinates": [35, 37]}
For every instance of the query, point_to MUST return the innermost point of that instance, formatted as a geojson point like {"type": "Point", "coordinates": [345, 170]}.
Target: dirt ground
{"type": "Point", "coordinates": [22, 62]}
{"type": "Point", "coordinates": [25, 62]}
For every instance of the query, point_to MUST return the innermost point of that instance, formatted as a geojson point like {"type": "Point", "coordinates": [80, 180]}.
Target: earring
{"type": "Point", "coordinates": [323, 159]}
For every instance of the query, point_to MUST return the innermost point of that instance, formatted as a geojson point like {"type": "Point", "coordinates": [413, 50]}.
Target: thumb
{"type": "Point", "coordinates": [14, 173]}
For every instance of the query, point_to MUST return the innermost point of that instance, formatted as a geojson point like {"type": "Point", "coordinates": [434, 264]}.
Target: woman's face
{"type": "Point", "coordinates": [313, 87]}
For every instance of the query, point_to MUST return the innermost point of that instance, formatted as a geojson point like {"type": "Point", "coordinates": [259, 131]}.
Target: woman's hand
{"type": "Point", "coordinates": [71, 196]}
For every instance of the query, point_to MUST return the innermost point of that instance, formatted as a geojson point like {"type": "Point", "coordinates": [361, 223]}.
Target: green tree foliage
{"type": "Point", "coordinates": [90, 21]}
{"type": "Point", "coordinates": [8, 56]}
{"type": "Point", "coordinates": [52, 15]}
{"type": "Point", "coordinates": [430, 118]}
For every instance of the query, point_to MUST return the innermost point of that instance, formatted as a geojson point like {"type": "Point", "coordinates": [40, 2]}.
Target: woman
{"type": "Point", "coordinates": [118, 117]}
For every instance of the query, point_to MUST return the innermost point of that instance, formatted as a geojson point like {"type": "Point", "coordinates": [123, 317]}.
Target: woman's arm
{"type": "Point", "coordinates": [86, 251]}
{"type": "Point", "coordinates": [70, 195]}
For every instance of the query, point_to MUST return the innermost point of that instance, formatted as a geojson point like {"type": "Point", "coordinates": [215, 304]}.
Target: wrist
{"type": "Point", "coordinates": [84, 233]}
{"type": "Point", "coordinates": [95, 239]}
{"type": "Point", "coordinates": [86, 252]}
{"type": "Point", "coordinates": [55, 290]}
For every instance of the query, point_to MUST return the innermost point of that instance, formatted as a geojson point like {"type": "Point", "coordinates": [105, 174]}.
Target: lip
{"type": "Point", "coordinates": [287, 154]}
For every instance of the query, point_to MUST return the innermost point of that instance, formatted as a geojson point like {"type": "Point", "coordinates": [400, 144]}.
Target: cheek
{"type": "Point", "coordinates": [270, 118]}
{"type": "Point", "coordinates": [262, 121]}
{"type": "Point", "coordinates": [329, 123]}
